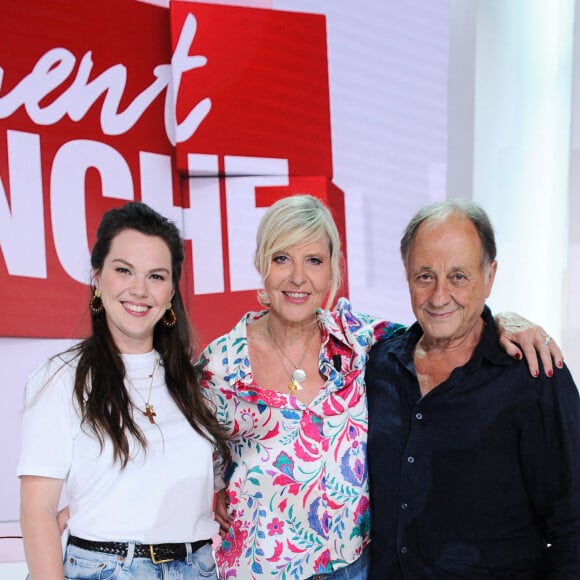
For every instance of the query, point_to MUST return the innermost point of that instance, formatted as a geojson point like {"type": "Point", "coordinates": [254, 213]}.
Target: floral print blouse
{"type": "Point", "coordinates": [297, 479]}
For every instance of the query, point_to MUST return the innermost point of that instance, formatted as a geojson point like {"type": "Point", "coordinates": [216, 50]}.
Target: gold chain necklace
{"type": "Point", "coordinates": [149, 411]}
{"type": "Point", "coordinates": [298, 375]}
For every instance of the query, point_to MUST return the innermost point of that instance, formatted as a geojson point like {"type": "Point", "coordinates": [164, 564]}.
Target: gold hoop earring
{"type": "Point", "coordinates": [169, 318]}
{"type": "Point", "coordinates": [95, 303]}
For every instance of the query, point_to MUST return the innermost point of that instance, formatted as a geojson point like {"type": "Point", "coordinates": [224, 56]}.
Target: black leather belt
{"type": "Point", "coordinates": [158, 553]}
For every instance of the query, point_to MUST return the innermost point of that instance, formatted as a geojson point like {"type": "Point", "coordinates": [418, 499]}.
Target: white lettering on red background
{"type": "Point", "coordinates": [22, 224]}
{"type": "Point", "coordinates": [242, 219]}
{"type": "Point", "coordinates": [55, 67]}
{"type": "Point", "coordinates": [22, 227]}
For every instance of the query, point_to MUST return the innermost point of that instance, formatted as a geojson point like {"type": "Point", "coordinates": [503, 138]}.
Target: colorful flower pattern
{"type": "Point", "coordinates": [297, 480]}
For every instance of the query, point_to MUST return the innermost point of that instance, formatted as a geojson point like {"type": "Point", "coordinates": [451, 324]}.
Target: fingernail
{"type": "Point", "coordinates": [550, 373]}
{"type": "Point", "coordinates": [536, 374]}
{"type": "Point", "coordinates": [559, 364]}
{"type": "Point", "coordinates": [518, 355]}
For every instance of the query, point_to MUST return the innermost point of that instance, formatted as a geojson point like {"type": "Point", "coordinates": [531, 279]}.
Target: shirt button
{"type": "Point", "coordinates": [410, 460]}
{"type": "Point", "coordinates": [419, 416]}
{"type": "Point", "coordinates": [403, 550]}
{"type": "Point", "coordinates": [404, 506]}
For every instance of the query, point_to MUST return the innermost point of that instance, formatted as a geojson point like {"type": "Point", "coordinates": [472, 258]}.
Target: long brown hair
{"type": "Point", "coordinates": [99, 383]}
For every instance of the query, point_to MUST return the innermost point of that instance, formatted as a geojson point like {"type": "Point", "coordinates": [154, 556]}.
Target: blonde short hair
{"type": "Point", "coordinates": [292, 221]}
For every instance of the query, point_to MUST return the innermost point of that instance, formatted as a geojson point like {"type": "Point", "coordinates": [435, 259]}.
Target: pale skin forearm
{"type": "Point", "coordinates": [43, 550]}
{"type": "Point", "coordinates": [38, 509]}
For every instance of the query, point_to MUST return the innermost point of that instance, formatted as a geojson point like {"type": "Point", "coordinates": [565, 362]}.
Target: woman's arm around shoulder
{"type": "Point", "coordinates": [359, 329]}
{"type": "Point", "coordinates": [520, 337]}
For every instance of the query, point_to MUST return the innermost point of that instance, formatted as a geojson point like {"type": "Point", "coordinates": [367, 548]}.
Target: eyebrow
{"type": "Point", "coordinates": [452, 270]}
{"type": "Point", "coordinates": [160, 269]}
{"type": "Point", "coordinates": [422, 269]}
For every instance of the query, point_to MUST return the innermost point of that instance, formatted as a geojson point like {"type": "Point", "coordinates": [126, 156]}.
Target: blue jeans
{"type": "Point", "coordinates": [358, 570]}
{"type": "Point", "coordinates": [81, 564]}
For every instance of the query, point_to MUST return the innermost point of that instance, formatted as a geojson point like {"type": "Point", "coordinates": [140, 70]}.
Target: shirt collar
{"type": "Point", "coordinates": [488, 348]}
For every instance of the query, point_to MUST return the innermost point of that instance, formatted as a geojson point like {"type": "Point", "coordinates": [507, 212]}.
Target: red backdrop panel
{"type": "Point", "coordinates": [266, 76]}
{"type": "Point", "coordinates": [87, 122]}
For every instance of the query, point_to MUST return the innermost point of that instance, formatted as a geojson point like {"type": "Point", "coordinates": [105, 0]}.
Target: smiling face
{"type": "Point", "coordinates": [136, 286]}
{"type": "Point", "coordinates": [298, 281]}
{"type": "Point", "coordinates": [448, 279]}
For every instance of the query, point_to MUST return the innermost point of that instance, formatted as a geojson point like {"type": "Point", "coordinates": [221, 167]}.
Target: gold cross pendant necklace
{"type": "Point", "coordinates": [149, 411]}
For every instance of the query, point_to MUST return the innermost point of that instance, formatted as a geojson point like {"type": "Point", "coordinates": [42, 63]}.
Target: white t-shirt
{"type": "Point", "coordinates": [164, 494]}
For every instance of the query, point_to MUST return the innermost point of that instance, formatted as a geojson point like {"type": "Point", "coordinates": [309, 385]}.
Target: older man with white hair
{"type": "Point", "coordinates": [474, 465]}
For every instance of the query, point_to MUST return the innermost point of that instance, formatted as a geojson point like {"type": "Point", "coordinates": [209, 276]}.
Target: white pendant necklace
{"type": "Point", "coordinates": [298, 375]}
{"type": "Point", "coordinates": [149, 411]}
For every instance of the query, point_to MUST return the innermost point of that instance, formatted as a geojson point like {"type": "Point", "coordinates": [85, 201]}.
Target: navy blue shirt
{"type": "Point", "coordinates": [480, 477]}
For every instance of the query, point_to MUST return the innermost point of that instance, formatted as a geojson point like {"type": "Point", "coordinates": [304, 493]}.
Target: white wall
{"type": "Point", "coordinates": [571, 339]}
{"type": "Point", "coordinates": [13, 571]}
{"type": "Point", "coordinates": [510, 112]}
